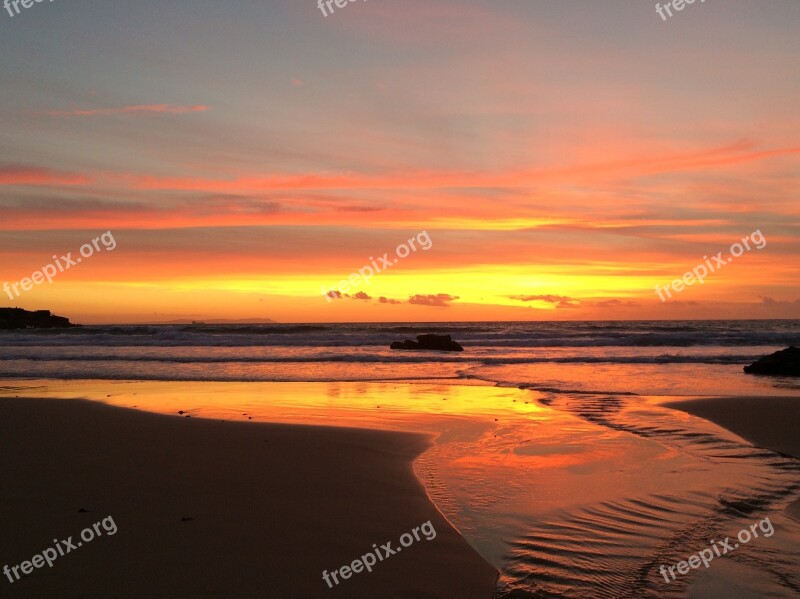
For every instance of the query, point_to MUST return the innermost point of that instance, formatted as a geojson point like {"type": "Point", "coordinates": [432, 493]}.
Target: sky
{"type": "Point", "coordinates": [563, 157]}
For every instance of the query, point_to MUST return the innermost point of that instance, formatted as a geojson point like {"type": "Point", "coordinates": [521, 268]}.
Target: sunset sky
{"type": "Point", "coordinates": [564, 157]}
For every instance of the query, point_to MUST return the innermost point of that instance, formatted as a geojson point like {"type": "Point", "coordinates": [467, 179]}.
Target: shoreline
{"type": "Point", "coordinates": [768, 422]}
{"type": "Point", "coordinates": [206, 507]}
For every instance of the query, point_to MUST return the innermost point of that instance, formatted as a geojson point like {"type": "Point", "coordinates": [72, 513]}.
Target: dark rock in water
{"type": "Point", "coordinates": [17, 318]}
{"type": "Point", "coordinates": [428, 343]}
{"type": "Point", "coordinates": [782, 363]}
{"type": "Point", "coordinates": [407, 344]}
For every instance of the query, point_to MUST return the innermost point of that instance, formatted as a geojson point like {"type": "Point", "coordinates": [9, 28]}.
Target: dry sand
{"type": "Point", "coordinates": [770, 422]}
{"type": "Point", "coordinates": [267, 508]}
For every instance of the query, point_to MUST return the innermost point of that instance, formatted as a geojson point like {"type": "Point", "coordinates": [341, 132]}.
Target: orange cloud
{"type": "Point", "coordinates": [32, 175]}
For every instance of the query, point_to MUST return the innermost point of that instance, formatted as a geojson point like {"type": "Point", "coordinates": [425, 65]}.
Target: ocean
{"type": "Point", "coordinates": [641, 357]}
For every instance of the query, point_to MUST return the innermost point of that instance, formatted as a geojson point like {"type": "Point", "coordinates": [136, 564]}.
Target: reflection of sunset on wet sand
{"type": "Point", "coordinates": [520, 473]}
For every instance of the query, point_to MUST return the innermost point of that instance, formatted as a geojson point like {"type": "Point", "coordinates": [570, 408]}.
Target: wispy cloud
{"type": "Point", "coordinates": [138, 109]}
{"type": "Point", "coordinates": [439, 300]}
{"type": "Point", "coordinates": [737, 153]}
{"type": "Point", "coordinates": [355, 296]}
{"type": "Point", "coordinates": [771, 301]}
{"type": "Point", "coordinates": [562, 301]}
{"type": "Point", "coordinates": [16, 174]}
{"type": "Point", "coordinates": [612, 303]}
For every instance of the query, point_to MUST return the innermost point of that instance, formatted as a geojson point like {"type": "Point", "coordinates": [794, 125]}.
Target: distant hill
{"type": "Point", "coordinates": [17, 318]}
{"type": "Point", "coordinates": [221, 321]}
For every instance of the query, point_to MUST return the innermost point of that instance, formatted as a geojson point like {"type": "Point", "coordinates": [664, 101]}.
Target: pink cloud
{"type": "Point", "coordinates": [734, 154]}
{"type": "Point", "coordinates": [137, 109]}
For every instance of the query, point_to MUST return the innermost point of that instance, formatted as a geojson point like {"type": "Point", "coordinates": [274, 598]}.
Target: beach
{"type": "Point", "coordinates": [218, 509]}
{"type": "Point", "coordinates": [770, 422]}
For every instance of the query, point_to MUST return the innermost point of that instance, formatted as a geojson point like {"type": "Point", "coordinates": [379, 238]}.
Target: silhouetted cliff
{"type": "Point", "coordinates": [17, 318]}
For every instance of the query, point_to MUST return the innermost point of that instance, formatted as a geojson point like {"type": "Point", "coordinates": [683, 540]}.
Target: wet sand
{"type": "Point", "coordinates": [567, 495]}
{"type": "Point", "coordinates": [218, 509]}
{"type": "Point", "coordinates": [769, 422]}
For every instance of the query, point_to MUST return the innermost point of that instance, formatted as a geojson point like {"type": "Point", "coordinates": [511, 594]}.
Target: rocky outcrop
{"type": "Point", "coordinates": [782, 363]}
{"type": "Point", "coordinates": [428, 343]}
{"type": "Point", "coordinates": [17, 318]}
